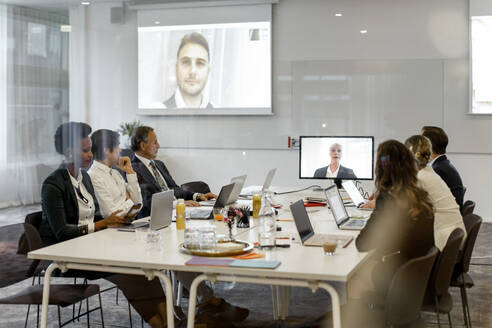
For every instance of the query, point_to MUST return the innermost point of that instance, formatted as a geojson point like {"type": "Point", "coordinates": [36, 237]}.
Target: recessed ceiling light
{"type": "Point", "coordinates": [363, 31]}
{"type": "Point", "coordinates": [323, 125]}
{"type": "Point", "coordinates": [85, 3]}
{"type": "Point", "coordinates": [157, 22]}
{"type": "Point", "coordinates": [65, 28]}
{"type": "Point", "coordinates": [338, 15]}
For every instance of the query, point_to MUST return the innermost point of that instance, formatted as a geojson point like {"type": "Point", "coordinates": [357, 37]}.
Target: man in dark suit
{"type": "Point", "coordinates": [335, 170]}
{"type": "Point", "coordinates": [153, 176]}
{"type": "Point", "coordinates": [441, 164]}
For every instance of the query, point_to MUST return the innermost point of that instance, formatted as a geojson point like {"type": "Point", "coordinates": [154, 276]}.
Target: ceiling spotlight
{"type": "Point", "coordinates": [338, 15]}
{"type": "Point", "coordinates": [323, 125]}
{"type": "Point", "coordinates": [157, 22]}
{"type": "Point", "coordinates": [363, 31]}
{"type": "Point", "coordinates": [85, 3]}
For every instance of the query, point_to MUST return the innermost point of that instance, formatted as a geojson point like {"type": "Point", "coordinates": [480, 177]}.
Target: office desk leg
{"type": "Point", "coordinates": [313, 285]}
{"type": "Point", "coordinates": [169, 297]}
{"type": "Point", "coordinates": [46, 294]}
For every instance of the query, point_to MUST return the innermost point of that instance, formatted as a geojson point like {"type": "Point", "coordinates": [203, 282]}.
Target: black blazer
{"type": "Point", "coordinates": [149, 186]}
{"type": "Point", "coordinates": [60, 207]}
{"type": "Point", "coordinates": [443, 167]}
{"type": "Point", "coordinates": [343, 173]}
{"type": "Point", "coordinates": [170, 103]}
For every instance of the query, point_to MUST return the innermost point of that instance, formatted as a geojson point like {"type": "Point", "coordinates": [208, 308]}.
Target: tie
{"type": "Point", "coordinates": [158, 177]}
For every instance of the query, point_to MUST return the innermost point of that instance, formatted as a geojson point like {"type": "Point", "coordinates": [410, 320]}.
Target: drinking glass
{"type": "Point", "coordinates": [207, 237]}
{"type": "Point", "coordinates": [329, 247]}
{"type": "Point", "coordinates": [219, 213]}
{"type": "Point", "coordinates": [191, 238]}
{"type": "Point", "coordinates": [153, 240]}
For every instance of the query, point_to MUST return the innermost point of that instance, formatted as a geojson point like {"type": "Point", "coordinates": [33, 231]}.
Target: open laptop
{"type": "Point", "coordinates": [306, 231]}
{"type": "Point", "coordinates": [206, 212]}
{"type": "Point", "coordinates": [234, 196]}
{"type": "Point", "coordinates": [251, 190]}
{"type": "Point", "coordinates": [161, 212]}
{"type": "Point", "coordinates": [342, 219]}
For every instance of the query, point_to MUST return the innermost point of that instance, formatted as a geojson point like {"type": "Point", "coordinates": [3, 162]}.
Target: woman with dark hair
{"type": "Point", "coordinates": [70, 210]}
{"type": "Point", "coordinates": [402, 224]}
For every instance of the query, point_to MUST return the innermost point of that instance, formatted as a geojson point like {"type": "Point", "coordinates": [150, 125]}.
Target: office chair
{"type": "Point", "coordinates": [461, 278]}
{"type": "Point", "coordinates": [61, 295]}
{"type": "Point", "coordinates": [468, 208]}
{"type": "Point", "coordinates": [437, 298]}
{"type": "Point", "coordinates": [196, 186]}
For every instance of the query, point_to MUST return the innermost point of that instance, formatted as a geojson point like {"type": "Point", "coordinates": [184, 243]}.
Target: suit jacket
{"type": "Point", "coordinates": [443, 167]}
{"type": "Point", "coordinates": [170, 103]}
{"type": "Point", "coordinates": [149, 186]}
{"type": "Point", "coordinates": [343, 173]}
{"type": "Point", "coordinates": [60, 207]}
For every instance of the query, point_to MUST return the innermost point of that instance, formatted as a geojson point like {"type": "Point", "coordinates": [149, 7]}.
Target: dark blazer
{"type": "Point", "coordinates": [149, 186]}
{"type": "Point", "coordinates": [343, 173]}
{"type": "Point", "coordinates": [60, 207]}
{"type": "Point", "coordinates": [443, 167]}
{"type": "Point", "coordinates": [170, 103]}
{"type": "Point", "coordinates": [390, 231]}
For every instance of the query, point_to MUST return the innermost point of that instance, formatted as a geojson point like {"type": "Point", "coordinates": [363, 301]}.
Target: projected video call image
{"type": "Point", "coordinates": [206, 67]}
{"type": "Point", "coordinates": [349, 158]}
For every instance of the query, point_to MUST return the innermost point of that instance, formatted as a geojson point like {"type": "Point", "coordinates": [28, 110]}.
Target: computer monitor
{"type": "Point", "coordinates": [336, 157]}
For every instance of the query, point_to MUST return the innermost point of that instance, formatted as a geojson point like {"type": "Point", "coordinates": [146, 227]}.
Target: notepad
{"type": "Point", "coordinates": [198, 260]}
{"type": "Point", "coordinates": [255, 264]}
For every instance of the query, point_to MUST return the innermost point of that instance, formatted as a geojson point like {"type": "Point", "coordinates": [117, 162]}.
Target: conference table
{"type": "Point", "coordinates": [115, 251]}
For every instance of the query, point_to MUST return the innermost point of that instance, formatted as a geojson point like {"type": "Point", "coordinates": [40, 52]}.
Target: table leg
{"type": "Point", "coordinates": [192, 299]}
{"type": "Point", "coordinates": [284, 297]}
{"type": "Point", "coordinates": [169, 297]}
{"type": "Point", "coordinates": [275, 301]}
{"type": "Point", "coordinates": [46, 294]}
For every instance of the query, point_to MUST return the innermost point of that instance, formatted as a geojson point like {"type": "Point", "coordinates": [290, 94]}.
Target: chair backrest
{"type": "Point", "coordinates": [444, 266]}
{"type": "Point", "coordinates": [407, 289]}
{"type": "Point", "coordinates": [468, 207]}
{"type": "Point", "coordinates": [196, 186]}
{"type": "Point", "coordinates": [32, 236]}
{"type": "Point", "coordinates": [472, 224]}
{"type": "Point", "coordinates": [34, 219]}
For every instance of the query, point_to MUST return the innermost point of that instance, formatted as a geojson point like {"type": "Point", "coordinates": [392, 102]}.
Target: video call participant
{"type": "Point", "coordinates": [112, 192]}
{"type": "Point", "coordinates": [447, 216]}
{"type": "Point", "coordinates": [335, 169]}
{"type": "Point", "coordinates": [153, 175]}
{"type": "Point", "coordinates": [441, 164]}
{"type": "Point", "coordinates": [70, 210]}
{"type": "Point", "coordinates": [192, 70]}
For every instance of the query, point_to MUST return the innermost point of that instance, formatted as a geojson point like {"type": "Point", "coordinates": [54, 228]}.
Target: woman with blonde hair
{"type": "Point", "coordinates": [447, 216]}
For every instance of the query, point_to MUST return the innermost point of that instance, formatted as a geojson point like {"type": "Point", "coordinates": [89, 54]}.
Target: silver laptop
{"type": "Point", "coordinates": [342, 219]}
{"type": "Point", "coordinates": [266, 185]}
{"type": "Point", "coordinates": [234, 196]}
{"type": "Point", "coordinates": [353, 193]}
{"type": "Point", "coordinates": [161, 212]}
{"type": "Point", "coordinates": [206, 212]}
{"type": "Point", "coordinates": [306, 231]}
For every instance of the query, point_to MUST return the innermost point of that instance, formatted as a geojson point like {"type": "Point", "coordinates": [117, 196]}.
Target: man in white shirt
{"type": "Point", "coordinates": [112, 191]}
{"type": "Point", "coordinates": [153, 174]}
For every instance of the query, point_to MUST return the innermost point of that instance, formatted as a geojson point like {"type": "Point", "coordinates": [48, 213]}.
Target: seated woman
{"type": "Point", "coordinates": [402, 224]}
{"type": "Point", "coordinates": [70, 210]}
{"type": "Point", "coordinates": [335, 169]}
{"type": "Point", "coordinates": [447, 216]}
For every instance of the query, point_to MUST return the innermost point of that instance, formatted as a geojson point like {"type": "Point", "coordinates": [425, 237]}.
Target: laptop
{"type": "Point", "coordinates": [161, 212]}
{"type": "Point", "coordinates": [206, 212]}
{"type": "Point", "coordinates": [342, 219]}
{"type": "Point", "coordinates": [306, 231]}
{"type": "Point", "coordinates": [234, 196]}
{"type": "Point", "coordinates": [353, 193]}
{"type": "Point", "coordinates": [251, 190]}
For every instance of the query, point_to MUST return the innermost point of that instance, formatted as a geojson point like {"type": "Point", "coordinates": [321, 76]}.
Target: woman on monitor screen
{"type": "Point", "coordinates": [335, 170]}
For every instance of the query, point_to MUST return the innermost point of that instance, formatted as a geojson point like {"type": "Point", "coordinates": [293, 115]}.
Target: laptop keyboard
{"type": "Point", "coordinates": [320, 239]}
{"type": "Point", "coordinates": [355, 223]}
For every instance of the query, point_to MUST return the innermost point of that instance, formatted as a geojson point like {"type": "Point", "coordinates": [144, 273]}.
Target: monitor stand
{"type": "Point", "coordinates": [338, 182]}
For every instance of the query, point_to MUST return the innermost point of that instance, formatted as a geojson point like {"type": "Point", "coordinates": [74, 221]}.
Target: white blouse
{"type": "Point", "coordinates": [87, 209]}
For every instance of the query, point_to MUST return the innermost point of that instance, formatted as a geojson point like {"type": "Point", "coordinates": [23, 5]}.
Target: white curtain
{"type": "Point", "coordinates": [33, 99]}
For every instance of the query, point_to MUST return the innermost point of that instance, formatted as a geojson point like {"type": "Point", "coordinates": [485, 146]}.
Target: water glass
{"type": "Point", "coordinates": [153, 240]}
{"type": "Point", "coordinates": [191, 238]}
{"type": "Point", "coordinates": [141, 234]}
{"type": "Point", "coordinates": [267, 227]}
{"type": "Point", "coordinates": [329, 247]}
{"type": "Point", "coordinates": [207, 237]}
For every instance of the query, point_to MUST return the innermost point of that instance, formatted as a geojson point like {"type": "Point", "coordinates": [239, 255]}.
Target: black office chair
{"type": "Point", "coordinates": [437, 298]}
{"type": "Point", "coordinates": [401, 305]}
{"type": "Point", "coordinates": [468, 208]}
{"type": "Point", "coordinates": [61, 295]}
{"type": "Point", "coordinates": [196, 186]}
{"type": "Point", "coordinates": [461, 278]}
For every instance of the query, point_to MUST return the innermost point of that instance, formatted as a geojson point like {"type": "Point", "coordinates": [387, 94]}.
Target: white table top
{"type": "Point", "coordinates": [111, 247]}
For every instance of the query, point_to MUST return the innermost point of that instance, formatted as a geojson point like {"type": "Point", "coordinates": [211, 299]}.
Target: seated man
{"type": "Point", "coordinates": [112, 192]}
{"type": "Point", "coordinates": [441, 164]}
{"type": "Point", "coordinates": [153, 175]}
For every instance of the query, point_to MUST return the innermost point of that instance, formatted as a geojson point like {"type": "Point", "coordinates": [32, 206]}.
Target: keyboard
{"type": "Point", "coordinates": [355, 223]}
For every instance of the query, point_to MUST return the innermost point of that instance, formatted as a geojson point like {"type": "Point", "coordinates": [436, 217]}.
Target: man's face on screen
{"type": "Point", "coordinates": [192, 69]}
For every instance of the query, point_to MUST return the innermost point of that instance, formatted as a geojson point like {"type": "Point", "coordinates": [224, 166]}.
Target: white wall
{"type": "Point", "coordinates": [304, 31]}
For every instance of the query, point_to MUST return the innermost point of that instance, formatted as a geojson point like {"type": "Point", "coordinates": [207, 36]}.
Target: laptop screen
{"type": "Point", "coordinates": [302, 221]}
{"type": "Point", "coordinates": [336, 204]}
{"type": "Point", "coordinates": [352, 191]}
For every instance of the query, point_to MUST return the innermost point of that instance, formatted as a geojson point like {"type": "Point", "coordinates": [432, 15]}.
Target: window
{"type": "Point", "coordinates": [481, 55]}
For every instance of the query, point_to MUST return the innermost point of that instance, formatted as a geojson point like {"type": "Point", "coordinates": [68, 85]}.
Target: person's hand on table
{"type": "Point", "coordinates": [192, 203]}
{"type": "Point", "coordinates": [113, 220]}
{"type": "Point", "coordinates": [207, 196]}
{"type": "Point", "coordinates": [369, 204]}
